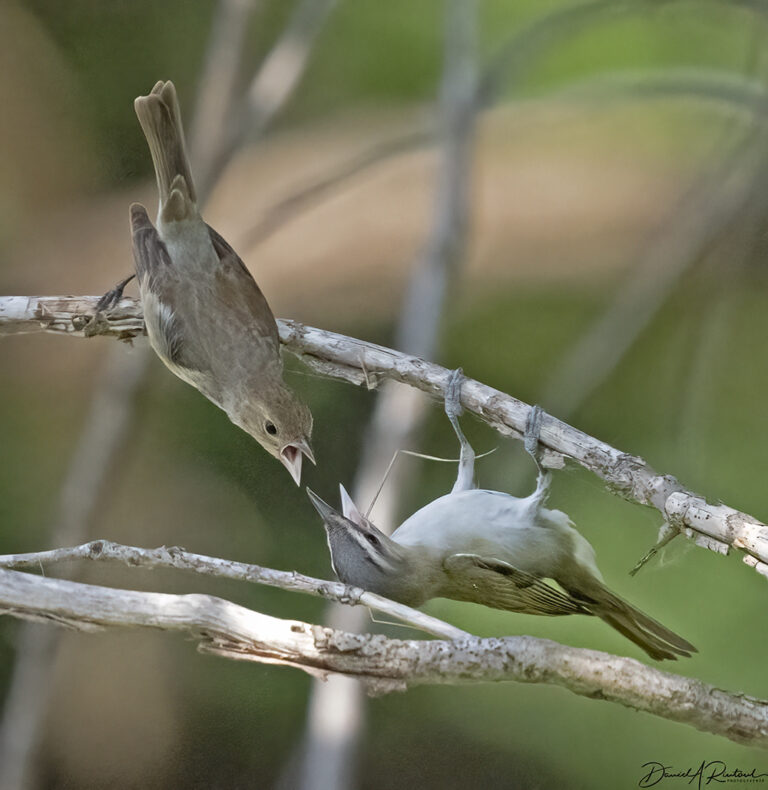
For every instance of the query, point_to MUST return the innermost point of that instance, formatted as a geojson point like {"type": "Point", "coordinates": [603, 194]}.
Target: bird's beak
{"type": "Point", "coordinates": [349, 508]}
{"type": "Point", "coordinates": [323, 508]}
{"type": "Point", "coordinates": [291, 457]}
{"type": "Point", "coordinates": [347, 505]}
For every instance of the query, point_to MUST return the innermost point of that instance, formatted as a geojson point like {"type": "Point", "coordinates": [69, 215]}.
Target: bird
{"type": "Point", "coordinates": [487, 547]}
{"type": "Point", "coordinates": [206, 317]}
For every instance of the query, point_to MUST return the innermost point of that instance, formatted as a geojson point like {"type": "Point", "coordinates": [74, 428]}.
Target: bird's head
{"type": "Point", "coordinates": [281, 424]}
{"type": "Point", "coordinates": [361, 554]}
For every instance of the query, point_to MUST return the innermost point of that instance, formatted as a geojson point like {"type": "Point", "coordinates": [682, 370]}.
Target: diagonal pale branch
{"type": "Point", "coordinates": [277, 78]}
{"type": "Point", "coordinates": [359, 362]}
{"type": "Point", "coordinates": [311, 193]}
{"type": "Point", "coordinates": [179, 559]}
{"type": "Point", "coordinates": [384, 664]}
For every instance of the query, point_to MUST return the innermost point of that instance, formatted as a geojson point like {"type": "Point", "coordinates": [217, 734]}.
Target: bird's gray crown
{"type": "Point", "coordinates": [361, 554]}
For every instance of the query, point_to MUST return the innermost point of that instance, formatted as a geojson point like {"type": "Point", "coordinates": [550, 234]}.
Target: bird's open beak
{"type": "Point", "coordinates": [323, 508]}
{"type": "Point", "coordinates": [349, 508]}
{"type": "Point", "coordinates": [291, 456]}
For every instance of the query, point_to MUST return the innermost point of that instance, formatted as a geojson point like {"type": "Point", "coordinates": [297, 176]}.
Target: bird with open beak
{"type": "Point", "coordinates": [487, 547]}
{"type": "Point", "coordinates": [206, 317]}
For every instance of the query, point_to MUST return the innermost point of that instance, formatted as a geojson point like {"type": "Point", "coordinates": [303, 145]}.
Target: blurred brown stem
{"type": "Point", "coordinates": [335, 720]}
{"type": "Point", "coordinates": [304, 197]}
{"type": "Point", "coordinates": [276, 80]}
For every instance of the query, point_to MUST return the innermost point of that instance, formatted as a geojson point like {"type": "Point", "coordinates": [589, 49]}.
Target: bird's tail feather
{"type": "Point", "coordinates": [649, 634]}
{"type": "Point", "coordinates": [160, 119]}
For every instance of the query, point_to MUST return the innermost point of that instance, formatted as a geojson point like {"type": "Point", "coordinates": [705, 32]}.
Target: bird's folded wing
{"type": "Point", "coordinates": [159, 283]}
{"type": "Point", "coordinates": [498, 584]}
{"type": "Point", "coordinates": [241, 292]}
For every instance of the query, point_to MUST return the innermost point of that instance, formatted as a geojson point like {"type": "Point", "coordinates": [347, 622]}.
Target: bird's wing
{"type": "Point", "coordinates": [241, 293]}
{"type": "Point", "coordinates": [159, 281]}
{"type": "Point", "coordinates": [496, 583]}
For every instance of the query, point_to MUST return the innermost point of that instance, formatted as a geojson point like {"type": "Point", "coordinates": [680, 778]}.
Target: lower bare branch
{"type": "Point", "coordinates": [385, 664]}
{"type": "Point", "coordinates": [358, 362]}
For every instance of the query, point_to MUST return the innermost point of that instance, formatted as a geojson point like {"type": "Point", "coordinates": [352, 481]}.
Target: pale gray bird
{"type": "Point", "coordinates": [206, 317]}
{"type": "Point", "coordinates": [486, 547]}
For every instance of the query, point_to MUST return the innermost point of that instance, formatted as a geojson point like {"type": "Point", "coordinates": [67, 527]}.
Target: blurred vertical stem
{"type": "Point", "coordinates": [274, 83]}
{"type": "Point", "coordinates": [102, 437]}
{"type": "Point", "coordinates": [216, 90]}
{"type": "Point", "coordinates": [112, 407]}
{"type": "Point", "coordinates": [335, 719]}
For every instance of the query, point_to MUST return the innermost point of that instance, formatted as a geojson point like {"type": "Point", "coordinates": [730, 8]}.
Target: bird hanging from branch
{"type": "Point", "coordinates": [487, 547]}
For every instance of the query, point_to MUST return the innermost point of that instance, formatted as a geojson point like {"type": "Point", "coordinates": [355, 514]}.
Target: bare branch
{"type": "Point", "coordinates": [173, 557]}
{"type": "Point", "coordinates": [216, 91]}
{"type": "Point", "coordinates": [383, 664]}
{"type": "Point", "coordinates": [358, 362]}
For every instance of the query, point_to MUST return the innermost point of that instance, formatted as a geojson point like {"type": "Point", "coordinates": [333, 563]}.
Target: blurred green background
{"type": "Point", "coordinates": [569, 200]}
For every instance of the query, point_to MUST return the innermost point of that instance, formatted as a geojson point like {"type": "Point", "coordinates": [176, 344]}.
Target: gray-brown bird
{"type": "Point", "coordinates": [206, 317]}
{"type": "Point", "coordinates": [487, 547]}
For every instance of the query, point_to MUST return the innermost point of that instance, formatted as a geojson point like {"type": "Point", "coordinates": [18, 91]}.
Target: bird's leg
{"type": "Point", "coordinates": [112, 297]}
{"type": "Point", "coordinates": [466, 474]}
{"type": "Point", "coordinates": [531, 444]}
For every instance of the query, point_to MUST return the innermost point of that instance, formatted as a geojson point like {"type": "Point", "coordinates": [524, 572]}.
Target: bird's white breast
{"type": "Point", "coordinates": [494, 524]}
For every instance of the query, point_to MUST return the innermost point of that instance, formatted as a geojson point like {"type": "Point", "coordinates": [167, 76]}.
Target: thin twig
{"type": "Point", "coordinates": [179, 559]}
{"type": "Point", "coordinates": [277, 78]}
{"type": "Point", "coordinates": [101, 438]}
{"type": "Point", "coordinates": [303, 197]}
{"type": "Point", "coordinates": [216, 91]}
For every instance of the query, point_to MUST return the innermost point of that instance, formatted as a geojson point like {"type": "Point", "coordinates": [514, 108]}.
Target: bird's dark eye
{"type": "Point", "coordinates": [373, 539]}
{"type": "Point", "coordinates": [271, 428]}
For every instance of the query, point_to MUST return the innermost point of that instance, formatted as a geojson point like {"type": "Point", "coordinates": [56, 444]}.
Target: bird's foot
{"type": "Point", "coordinates": [112, 297]}
{"type": "Point", "coordinates": [453, 407]}
{"type": "Point", "coordinates": [532, 447]}
{"type": "Point", "coordinates": [532, 432]}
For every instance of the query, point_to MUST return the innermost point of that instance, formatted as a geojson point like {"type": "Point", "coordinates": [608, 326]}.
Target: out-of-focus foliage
{"type": "Point", "coordinates": [549, 249]}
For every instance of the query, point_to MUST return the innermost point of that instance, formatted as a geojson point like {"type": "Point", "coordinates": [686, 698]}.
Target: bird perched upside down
{"type": "Point", "coordinates": [487, 547]}
{"type": "Point", "coordinates": [205, 315]}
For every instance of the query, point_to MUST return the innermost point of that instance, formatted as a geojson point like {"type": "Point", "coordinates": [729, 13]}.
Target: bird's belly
{"type": "Point", "coordinates": [489, 525]}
